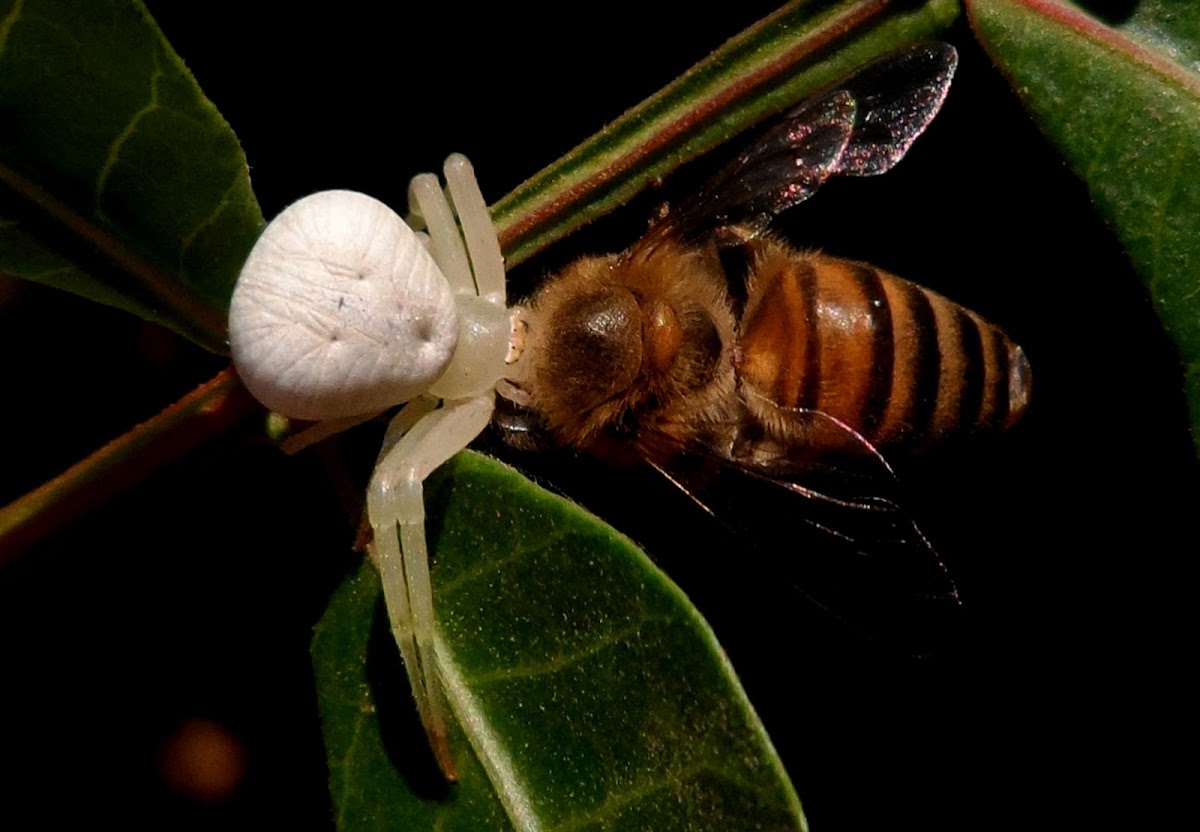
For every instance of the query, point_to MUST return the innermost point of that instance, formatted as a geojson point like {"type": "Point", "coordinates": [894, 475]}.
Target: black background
{"type": "Point", "coordinates": [193, 596]}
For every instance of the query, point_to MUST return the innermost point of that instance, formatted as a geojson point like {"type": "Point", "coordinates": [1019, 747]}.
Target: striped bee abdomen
{"type": "Point", "coordinates": [898, 363]}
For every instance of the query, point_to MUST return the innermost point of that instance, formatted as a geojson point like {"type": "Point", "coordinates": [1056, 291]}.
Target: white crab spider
{"type": "Point", "coordinates": [340, 313]}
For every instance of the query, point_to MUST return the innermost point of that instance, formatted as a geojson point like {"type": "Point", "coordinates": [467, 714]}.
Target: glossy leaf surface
{"type": "Point", "coordinates": [125, 185]}
{"type": "Point", "coordinates": [597, 697]}
{"type": "Point", "coordinates": [1123, 107]}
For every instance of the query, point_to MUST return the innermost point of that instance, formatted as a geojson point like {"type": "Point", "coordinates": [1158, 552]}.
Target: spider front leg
{"type": "Point", "coordinates": [421, 437]}
{"type": "Point", "coordinates": [396, 506]}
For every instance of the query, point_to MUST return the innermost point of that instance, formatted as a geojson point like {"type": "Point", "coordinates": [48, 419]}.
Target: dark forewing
{"type": "Point", "coordinates": [860, 127]}
{"type": "Point", "coordinates": [897, 97]}
{"type": "Point", "coordinates": [783, 168]}
{"type": "Point", "coordinates": [829, 511]}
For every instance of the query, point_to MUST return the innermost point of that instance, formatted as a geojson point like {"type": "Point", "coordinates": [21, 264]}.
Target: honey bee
{"type": "Point", "coordinates": [825, 364]}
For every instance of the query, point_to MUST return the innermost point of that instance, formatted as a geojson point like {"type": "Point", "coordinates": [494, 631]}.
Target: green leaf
{"type": "Point", "coordinates": [1123, 107]}
{"type": "Point", "coordinates": [125, 185]}
{"type": "Point", "coordinates": [1171, 26]}
{"type": "Point", "coordinates": [598, 699]}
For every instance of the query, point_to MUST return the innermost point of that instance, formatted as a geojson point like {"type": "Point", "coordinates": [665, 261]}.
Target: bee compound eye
{"type": "Point", "coordinates": [340, 310]}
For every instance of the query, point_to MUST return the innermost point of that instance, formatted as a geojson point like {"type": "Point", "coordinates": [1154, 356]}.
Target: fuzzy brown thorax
{"type": "Point", "coordinates": [616, 337]}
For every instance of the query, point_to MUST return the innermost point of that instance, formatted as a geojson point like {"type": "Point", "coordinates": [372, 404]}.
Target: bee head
{"type": "Point", "coordinates": [584, 349]}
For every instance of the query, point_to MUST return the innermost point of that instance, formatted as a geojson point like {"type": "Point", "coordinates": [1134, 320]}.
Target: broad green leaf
{"type": "Point", "coordinates": [124, 183]}
{"type": "Point", "coordinates": [597, 698]}
{"type": "Point", "coordinates": [1124, 110]}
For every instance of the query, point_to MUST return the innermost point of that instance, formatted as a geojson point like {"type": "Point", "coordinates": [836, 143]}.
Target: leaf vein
{"type": "Point", "coordinates": [447, 589]}
{"type": "Point", "coordinates": [512, 791]}
{"type": "Point", "coordinates": [565, 660]}
{"type": "Point", "coordinates": [617, 801]}
{"type": "Point", "coordinates": [114, 149]}
{"type": "Point", "coordinates": [207, 222]}
{"type": "Point", "coordinates": [1160, 217]}
{"type": "Point", "coordinates": [364, 714]}
{"type": "Point", "coordinates": [1101, 149]}
{"type": "Point", "coordinates": [7, 24]}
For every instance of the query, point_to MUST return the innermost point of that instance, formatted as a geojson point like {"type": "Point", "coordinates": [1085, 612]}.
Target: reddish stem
{"type": "Point", "coordinates": [206, 412]}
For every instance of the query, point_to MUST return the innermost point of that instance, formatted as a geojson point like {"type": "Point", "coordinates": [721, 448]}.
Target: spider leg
{"type": "Point", "coordinates": [476, 268]}
{"type": "Point", "coordinates": [404, 421]}
{"type": "Point", "coordinates": [428, 207]}
{"type": "Point", "coordinates": [396, 507]}
{"type": "Point", "coordinates": [421, 438]}
{"type": "Point", "coordinates": [400, 425]}
{"type": "Point", "coordinates": [477, 228]}
{"type": "Point", "coordinates": [320, 431]}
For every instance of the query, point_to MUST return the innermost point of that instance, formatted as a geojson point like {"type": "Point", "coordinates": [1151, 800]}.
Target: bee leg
{"type": "Point", "coordinates": [730, 236]}
{"type": "Point", "coordinates": [396, 508]}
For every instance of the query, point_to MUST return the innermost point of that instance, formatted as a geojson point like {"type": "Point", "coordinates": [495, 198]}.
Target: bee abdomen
{"type": "Point", "coordinates": [963, 373]}
{"type": "Point", "coordinates": [896, 362]}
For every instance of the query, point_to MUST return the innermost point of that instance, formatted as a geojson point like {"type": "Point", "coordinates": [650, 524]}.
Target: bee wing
{"type": "Point", "coordinates": [785, 167]}
{"type": "Point", "coordinates": [897, 97]}
{"type": "Point", "coordinates": [862, 127]}
{"type": "Point", "coordinates": [836, 503]}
